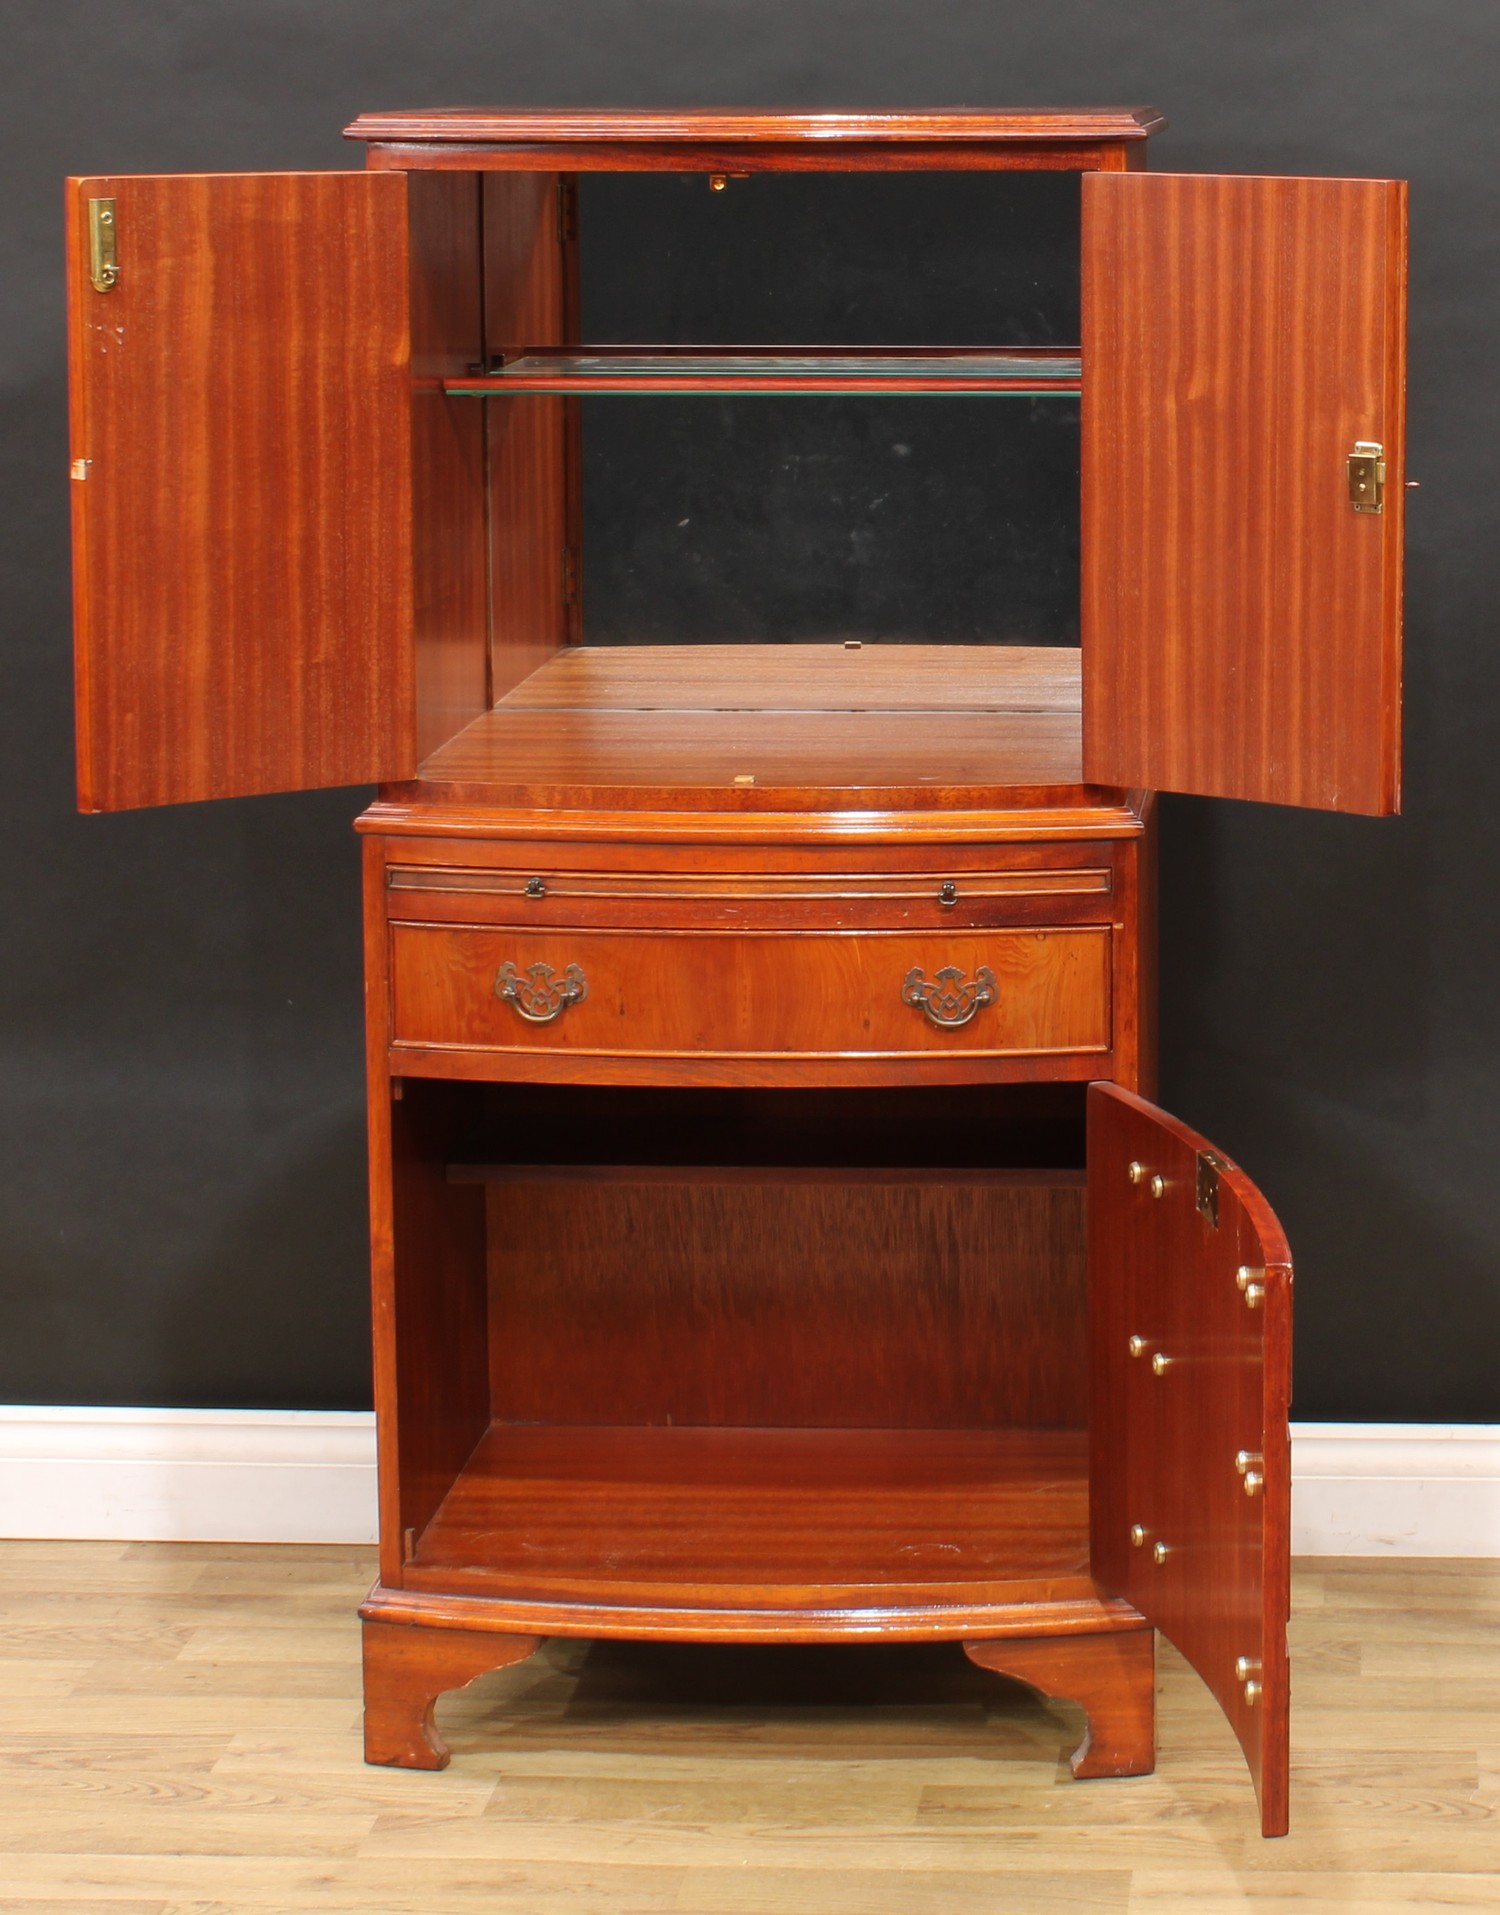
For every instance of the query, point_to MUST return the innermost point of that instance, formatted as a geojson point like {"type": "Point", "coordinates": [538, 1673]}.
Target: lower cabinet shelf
{"type": "Point", "coordinates": [774, 1532]}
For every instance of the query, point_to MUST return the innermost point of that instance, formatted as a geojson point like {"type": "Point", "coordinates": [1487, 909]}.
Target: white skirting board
{"type": "Point", "coordinates": [308, 1476]}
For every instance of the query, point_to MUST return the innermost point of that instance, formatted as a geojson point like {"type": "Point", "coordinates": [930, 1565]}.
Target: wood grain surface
{"type": "Point", "coordinates": [242, 561]}
{"type": "Point", "coordinates": [406, 1670]}
{"type": "Point", "coordinates": [752, 994]}
{"type": "Point", "coordinates": [766, 724]}
{"type": "Point", "coordinates": [1211, 1379]}
{"type": "Point", "coordinates": [530, 293]}
{"type": "Point", "coordinates": [181, 1733]}
{"type": "Point", "coordinates": [952, 1299]}
{"type": "Point", "coordinates": [732, 156]}
{"type": "Point", "coordinates": [1241, 621]}
{"type": "Point", "coordinates": [449, 636]}
{"type": "Point", "coordinates": [513, 125]}
{"type": "Point", "coordinates": [763, 1520]}
{"type": "Point", "coordinates": [907, 679]}
{"type": "Point", "coordinates": [1112, 1678]}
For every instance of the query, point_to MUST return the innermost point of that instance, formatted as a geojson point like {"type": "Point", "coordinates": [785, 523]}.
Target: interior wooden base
{"type": "Point", "coordinates": [766, 1534]}
{"type": "Point", "coordinates": [824, 726]}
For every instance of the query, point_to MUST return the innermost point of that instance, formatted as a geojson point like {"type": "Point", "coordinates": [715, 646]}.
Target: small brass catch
{"type": "Point", "coordinates": [1252, 1468]}
{"type": "Point", "coordinates": [1247, 1673]}
{"type": "Point", "coordinates": [1367, 476]}
{"type": "Point", "coordinates": [104, 269]}
{"type": "Point", "coordinates": [1250, 1286]}
{"type": "Point", "coordinates": [1210, 1164]}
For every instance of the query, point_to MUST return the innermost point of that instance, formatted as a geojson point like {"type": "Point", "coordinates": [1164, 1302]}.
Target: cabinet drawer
{"type": "Point", "coordinates": [873, 994]}
{"type": "Point", "coordinates": [1023, 890]}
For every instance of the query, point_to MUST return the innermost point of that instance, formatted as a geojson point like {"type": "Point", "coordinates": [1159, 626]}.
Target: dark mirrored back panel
{"type": "Point", "coordinates": [924, 519]}
{"type": "Point", "coordinates": [841, 259]}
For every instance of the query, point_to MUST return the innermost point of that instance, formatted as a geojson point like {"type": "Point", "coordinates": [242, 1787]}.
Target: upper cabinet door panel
{"type": "Point", "coordinates": [241, 447]}
{"type": "Point", "coordinates": [1241, 619]}
{"type": "Point", "coordinates": [1190, 1325]}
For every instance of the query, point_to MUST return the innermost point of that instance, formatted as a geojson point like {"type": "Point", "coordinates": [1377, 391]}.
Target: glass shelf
{"type": "Point", "coordinates": [1021, 371]}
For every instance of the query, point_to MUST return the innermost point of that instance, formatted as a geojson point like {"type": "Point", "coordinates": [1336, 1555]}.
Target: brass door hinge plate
{"type": "Point", "coordinates": [1367, 476]}
{"type": "Point", "coordinates": [104, 270]}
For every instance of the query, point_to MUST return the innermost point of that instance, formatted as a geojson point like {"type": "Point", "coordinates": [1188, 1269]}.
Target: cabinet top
{"type": "Point", "coordinates": [478, 125]}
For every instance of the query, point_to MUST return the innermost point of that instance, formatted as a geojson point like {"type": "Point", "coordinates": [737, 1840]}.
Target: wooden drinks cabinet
{"type": "Point", "coordinates": [766, 613]}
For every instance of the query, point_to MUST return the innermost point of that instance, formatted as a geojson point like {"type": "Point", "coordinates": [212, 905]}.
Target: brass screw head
{"type": "Point", "coordinates": [1160, 1363]}
{"type": "Point", "coordinates": [1158, 1186]}
{"type": "Point", "coordinates": [1137, 1535]}
{"type": "Point", "coordinates": [1135, 1171]}
{"type": "Point", "coordinates": [1159, 1552]}
{"type": "Point", "coordinates": [1137, 1346]}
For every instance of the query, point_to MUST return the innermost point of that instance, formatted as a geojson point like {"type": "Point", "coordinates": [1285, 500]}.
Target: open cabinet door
{"type": "Point", "coordinates": [1242, 339]}
{"type": "Point", "coordinates": [1190, 1311]}
{"type": "Point", "coordinates": [239, 358]}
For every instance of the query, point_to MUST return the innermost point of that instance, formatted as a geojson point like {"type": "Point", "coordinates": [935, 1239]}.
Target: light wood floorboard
{"type": "Point", "coordinates": [179, 1735]}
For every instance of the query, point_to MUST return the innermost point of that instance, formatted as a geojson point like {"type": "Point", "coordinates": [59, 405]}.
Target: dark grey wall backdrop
{"type": "Point", "coordinates": [181, 1157]}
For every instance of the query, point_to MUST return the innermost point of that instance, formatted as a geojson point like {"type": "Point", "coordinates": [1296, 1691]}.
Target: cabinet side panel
{"type": "Point", "coordinates": [242, 487]}
{"type": "Point", "coordinates": [1241, 620]}
{"type": "Point", "coordinates": [530, 300]}
{"type": "Point", "coordinates": [449, 618]}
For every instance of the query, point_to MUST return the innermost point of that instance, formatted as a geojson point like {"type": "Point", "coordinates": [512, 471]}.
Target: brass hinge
{"type": "Point", "coordinates": [1367, 476]}
{"type": "Point", "coordinates": [567, 212]}
{"type": "Point", "coordinates": [1209, 1166]}
{"type": "Point", "coordinates": [104, 269]}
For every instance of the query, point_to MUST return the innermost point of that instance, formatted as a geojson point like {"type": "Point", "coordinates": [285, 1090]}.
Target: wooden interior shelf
{"type": "Point", "coordinates": [788, 1518]}
{"type": "Point", "coordinates": [1024, 371]}
{"type": "Point", "coordinates": [685, 724]}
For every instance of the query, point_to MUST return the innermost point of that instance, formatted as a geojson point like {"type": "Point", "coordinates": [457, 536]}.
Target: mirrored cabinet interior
{"type": "Point", "coordinates": [767, 563]}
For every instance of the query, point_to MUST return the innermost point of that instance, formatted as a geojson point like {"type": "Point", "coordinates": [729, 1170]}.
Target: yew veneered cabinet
{"type": "Point", "coordinates": [767, 563]}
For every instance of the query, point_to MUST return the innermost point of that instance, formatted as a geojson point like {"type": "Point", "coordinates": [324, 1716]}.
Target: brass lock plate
{"type": "Point", "coordinates": [1210, 1164]}
{"type": "Point", "coordinates": [1367, 476]}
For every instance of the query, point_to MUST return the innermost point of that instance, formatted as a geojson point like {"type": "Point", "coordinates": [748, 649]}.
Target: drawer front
{"type": "Point", "coordinates": [872, 994]}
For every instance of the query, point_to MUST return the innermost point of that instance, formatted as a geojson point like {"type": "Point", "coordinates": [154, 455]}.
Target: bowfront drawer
{"type": "Point", "coordinates": [590, 992]}
{"type": "Point", "coordinates": [1029, 887]}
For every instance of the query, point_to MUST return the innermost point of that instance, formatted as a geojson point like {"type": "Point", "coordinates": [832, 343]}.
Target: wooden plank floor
{"type": "Point", "coordinates": [179, 1732]}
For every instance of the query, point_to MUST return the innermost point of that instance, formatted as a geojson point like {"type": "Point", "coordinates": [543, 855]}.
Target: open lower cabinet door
{"type": "Point", "coordinates": [240, 384]}
{"type": "Point", "coordinates": [1190, 1306]}
{"type": "Point", "coordinates": [1243, 409]}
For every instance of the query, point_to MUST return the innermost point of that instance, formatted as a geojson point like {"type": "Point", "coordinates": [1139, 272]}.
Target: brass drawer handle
{"type": "Point", "coordinates": [538, 994]}
{"type": "Point", "coordinates": [949, 999]}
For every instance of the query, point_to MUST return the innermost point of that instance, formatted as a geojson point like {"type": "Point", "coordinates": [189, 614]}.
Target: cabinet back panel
{"type": "Point", "coordinates": [958, 259]}
{"type": "Point", "coordinates": [917, 519]}
{"type": "Point", "coordinates": [767, 1298]}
